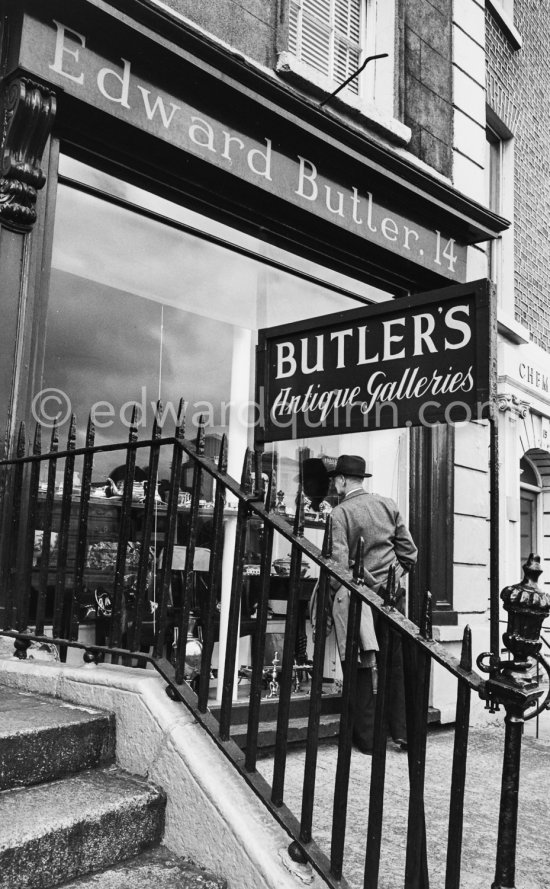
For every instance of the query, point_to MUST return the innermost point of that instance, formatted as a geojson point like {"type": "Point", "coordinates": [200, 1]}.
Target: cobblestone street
{"type": "Point", "coordinates": [480, 817]}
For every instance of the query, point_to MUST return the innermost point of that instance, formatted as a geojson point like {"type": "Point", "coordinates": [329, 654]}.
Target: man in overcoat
{"type": "Point", "coordinates": [387, 541]}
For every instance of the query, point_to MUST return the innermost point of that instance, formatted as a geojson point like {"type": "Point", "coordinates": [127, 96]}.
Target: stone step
{"type": "Point", "coordinates": [299, 707]}
{"type": "Point", "coordinates": [329, 728]}
{"type": "Point", "coordinates": [83, 823]}
{"type": "Point", "coordinates": [155, 869]}
{"type": "Point", "coordinates": [43, 739]}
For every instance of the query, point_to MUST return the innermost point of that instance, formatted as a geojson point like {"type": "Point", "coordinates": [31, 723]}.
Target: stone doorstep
{"type": "Point", "coordinates": [155, 869]}
{"type": "Point", "coordinates": [329, 724]}
{"type": "Point", "coordinates": [43, 739]}
{"type": "Point", "coordinates": [329, 728]}
{"type": "Point", "coordinates": [57, 831]}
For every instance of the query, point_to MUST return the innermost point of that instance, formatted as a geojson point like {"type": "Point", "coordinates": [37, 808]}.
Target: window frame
{"type": "Point", "coordinates": [330, 29]}
{"type": "Point", "coordinates": [532, 493]}
{"type": "Point", "coordinates": [376, 96]}
{"type": "Point", "coordinates": [500, 199]}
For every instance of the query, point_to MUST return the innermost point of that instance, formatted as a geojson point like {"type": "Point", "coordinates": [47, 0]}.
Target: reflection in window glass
{"type": "Point", "coordinates": [142, 308]}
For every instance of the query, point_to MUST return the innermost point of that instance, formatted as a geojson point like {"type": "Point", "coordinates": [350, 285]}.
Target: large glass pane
{"type": "Point", "coordinates": [151, 301]}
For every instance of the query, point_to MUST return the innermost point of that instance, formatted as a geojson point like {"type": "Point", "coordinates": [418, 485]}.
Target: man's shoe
{"type": "Point", "coordinates": [403, 745]}
{"type": "Point", "coordinates": [368, 751]}
{"type": "Point", "coordinates": [362, 747]}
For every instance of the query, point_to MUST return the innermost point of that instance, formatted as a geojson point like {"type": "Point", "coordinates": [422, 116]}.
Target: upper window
{"type": "Point", "coordinates": [328, 41]}
{"type": "Point", "coordinates": [327, 34]}
{"type": "Point", "coordinates": [499, 197]}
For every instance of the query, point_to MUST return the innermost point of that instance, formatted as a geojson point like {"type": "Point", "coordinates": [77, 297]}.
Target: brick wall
{"type": "Point", "coordinates": [518, 89]}
{"type": "Point", "coordinates": [427, 80]}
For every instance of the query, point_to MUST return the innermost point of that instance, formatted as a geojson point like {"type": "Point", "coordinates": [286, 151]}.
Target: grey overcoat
{"type": "Point", "coordinates": [386, 538]}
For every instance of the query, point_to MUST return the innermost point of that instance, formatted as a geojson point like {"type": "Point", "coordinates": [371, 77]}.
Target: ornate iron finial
{"type": "Point", "coordinates": [527, 606]}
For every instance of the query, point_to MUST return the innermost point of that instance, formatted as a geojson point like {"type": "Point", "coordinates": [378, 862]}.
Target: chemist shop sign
{"type": "Point", "coordinates": [417, 361]}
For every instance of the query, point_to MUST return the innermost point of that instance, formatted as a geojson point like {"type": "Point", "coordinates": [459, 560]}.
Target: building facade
{"type": "Point", "coordinates": [179, 176]}
{"type": "Point", "coordinates": [518, 129]}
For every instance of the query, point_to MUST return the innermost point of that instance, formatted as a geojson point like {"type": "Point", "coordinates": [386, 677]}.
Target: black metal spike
{"type": "Point", "coordinates": [180, 422]}
{"type": "Point", "coordinates": [389, 589]}
{"type": "Point", "coordinates": [387, 595]}
{"type": "Point", "coordinates": [37, 444]}
{"type": "Point", "coordinates": [299, 518]}
{"type": "Point", "coordinates": [246, 477]}
{"type": "Point", "coordinates": [54, 441]}
{"type": "Point", "coordinates": [90, 432]}
{"type": "Point", "coordinates": [201, 436]}
{"type": "Point", "coordinates": [269, 494]}
{"type": "Point", "coordinates": [21, 440]}
{"type": "Point", "coordinates": [258, 475]}
{"type": "Point", "coordinates": [274, 477]}
{"type": "Point", "coordinates": [327, 539]}
{"type": "Point", "coordinates": [426, 620]}
{"type": "Point", "coordinates": [132, 435]}
{"type": "Point", "coordinates": [466, 654]}
{"type": "Point", "coordinates": [358, 567]}
{"type": "Point", "coordinates": [71, 437]}
{"type": "Point", "coordinates": [157, 422]}
{"type": "Point", "coordinates": [222, 459]}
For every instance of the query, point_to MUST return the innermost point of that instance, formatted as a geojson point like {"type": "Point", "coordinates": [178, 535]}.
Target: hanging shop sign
{"type": "Point", "coordinates": [417, 361]}
{"type": "Point", "coordinates": [223, 136]}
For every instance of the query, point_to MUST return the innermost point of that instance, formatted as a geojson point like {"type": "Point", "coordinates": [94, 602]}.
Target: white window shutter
{"type": "Point", "coordinates": [326, 34]}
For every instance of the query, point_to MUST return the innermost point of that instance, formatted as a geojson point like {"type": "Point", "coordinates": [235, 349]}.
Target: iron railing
{"type": "Point", "coordinates": [42, 599]}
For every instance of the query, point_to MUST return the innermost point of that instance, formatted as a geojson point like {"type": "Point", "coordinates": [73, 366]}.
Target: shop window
{"type": "Point", "coordinates": [499, 169]}
{"type": "Point", "coordinates": [329, 39]}
{"type": "Point", "coordinates": [149, 300]}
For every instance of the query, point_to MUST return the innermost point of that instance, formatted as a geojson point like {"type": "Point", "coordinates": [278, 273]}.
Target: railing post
{"type": "Point", "coordinates": [516, 701]}
{"type": "Point", "coordinates": [512, 684]}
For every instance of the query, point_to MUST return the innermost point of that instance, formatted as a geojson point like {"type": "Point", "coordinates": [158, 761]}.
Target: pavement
{"type": "Point", "coordinates": [481, 807]}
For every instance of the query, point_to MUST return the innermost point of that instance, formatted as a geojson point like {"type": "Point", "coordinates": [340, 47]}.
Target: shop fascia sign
{"type": "Point", "coordinates": [63, 56]}
{"type": "Point", "coordinates": [410, 362]}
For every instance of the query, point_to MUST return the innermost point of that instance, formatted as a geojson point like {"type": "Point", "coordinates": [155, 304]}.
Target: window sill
{"type": "Point", "coordinates": [512, 329]}
{"type": "Point", "coordinates": [505, 23]}
{"type": "Point", "coordinates": [295, 71]}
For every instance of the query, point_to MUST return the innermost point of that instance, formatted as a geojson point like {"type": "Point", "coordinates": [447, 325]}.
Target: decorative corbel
{"type": "Point", "coordinates": [518, 408]}
{"type": "Point", "coordinates": [28, 113]}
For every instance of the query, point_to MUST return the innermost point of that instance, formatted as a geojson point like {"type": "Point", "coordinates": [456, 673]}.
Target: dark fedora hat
{"type": "Point", "coordinates": [350, 465]}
